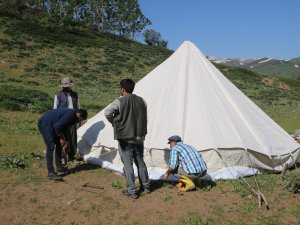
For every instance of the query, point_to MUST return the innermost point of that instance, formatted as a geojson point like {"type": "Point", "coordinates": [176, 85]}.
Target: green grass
{"type": "Point", "coordinates": [19, 133]}
{"type": "Point", "coordinates": [295, 209]}
{"type": "Point", "coordinates": [195, 219]}
{"type": "Point", "coordinates": [167, 198]}
{"type": "Point", "coordinates": [116, 185]}
{"type": "Point", "coordinates": [280, 104]}
{"type": "Point", "coordinates": [290, 124]}
{"type": "Point", "coordinates": [34, 58]}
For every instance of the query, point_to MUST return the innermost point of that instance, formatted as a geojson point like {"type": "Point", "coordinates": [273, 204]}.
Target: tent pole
{"type": "Point", "coordinates": [257, 193]}
{"type": "Point", "coordinates": [252, 168]}
{"type": "Point", "coordinates": [260, 195]}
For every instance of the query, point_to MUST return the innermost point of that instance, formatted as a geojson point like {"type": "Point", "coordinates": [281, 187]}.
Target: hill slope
{"type": "Point", "coordinates": [278, 97]}
{"type": "Point", "coordinates": [35, 57]}
{"type": "Point", "coordinates": [32, 60]}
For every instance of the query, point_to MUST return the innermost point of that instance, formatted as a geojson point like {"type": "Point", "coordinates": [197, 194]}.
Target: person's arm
{"type": "Point", "coordinates": [173, 163]}
{"type": "Point", "coordinates": [112, 111]}
{"type": "Point", "coordinates": [55, 102]}
{"type": "Point", "coordinates": [64, 122]}
{"type": "Point", "coordinates": [167, 173]}
{"type": "Point", "coordinates": [61, 125]}
{"type": "Point", "coordinates": [78, 104]}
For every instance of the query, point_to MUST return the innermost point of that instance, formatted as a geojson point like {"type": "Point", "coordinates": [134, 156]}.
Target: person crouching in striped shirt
{"type": "Point", "coordinates": [186, 163]}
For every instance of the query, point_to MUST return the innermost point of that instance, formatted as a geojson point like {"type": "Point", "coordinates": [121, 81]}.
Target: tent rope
{"type": "Point", "coordinates": [293, 159]}
{"type": "Point", "coordinates": [251, 165]}
{"type": "Point", "coordinates": [225, 164]}
{"type": "Point", "coordinates": [259, 194]}
{"type": "Point", "coordinates": [280, 158]}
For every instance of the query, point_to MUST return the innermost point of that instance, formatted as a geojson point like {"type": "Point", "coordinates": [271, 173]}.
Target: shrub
{"type": "Point", "coordinates": [292, 183]}
{"type": "Point", "coordinates": [20, 99]}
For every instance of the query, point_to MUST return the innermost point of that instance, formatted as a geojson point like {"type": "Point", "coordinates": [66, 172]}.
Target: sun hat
{"type": "Point", "coordinates": [66, 82]}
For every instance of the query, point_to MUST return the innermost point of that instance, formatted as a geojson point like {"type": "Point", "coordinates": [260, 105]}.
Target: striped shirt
{"type": "Point", "coordinates": [187, 157]}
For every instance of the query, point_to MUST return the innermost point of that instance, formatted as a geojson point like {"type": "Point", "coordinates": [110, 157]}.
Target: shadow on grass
{"type": "Point", "coordinates": [296, 166]}
{"type": "Point", "coordinates": [77, 166]}
{"type": "Point", "coordinates": [202, 184]}
{"type": "Point", "coordinates": [157, 184]}
{"type": "Point", "coordinates": [206, 184]}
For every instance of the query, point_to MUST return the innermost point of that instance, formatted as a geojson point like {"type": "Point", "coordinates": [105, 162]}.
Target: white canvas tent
{"type": "Point", "coordinates": [188, 96]}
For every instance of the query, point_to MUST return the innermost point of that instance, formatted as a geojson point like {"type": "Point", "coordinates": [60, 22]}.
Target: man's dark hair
{"type": "Point", "coordinates": [83, 113]}
{"type": "Point", "coordinates": [128, 85]}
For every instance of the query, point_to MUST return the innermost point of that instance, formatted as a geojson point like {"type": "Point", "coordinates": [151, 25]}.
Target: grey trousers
{"type": "Point", "coordinates": [193, 176]}
{"type": "Point", "coordinates": [133, 153]}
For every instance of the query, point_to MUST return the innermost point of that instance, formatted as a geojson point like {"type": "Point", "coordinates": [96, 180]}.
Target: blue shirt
{"type": "Point", "coordinates": [55, 122]}
{"type": "Point", "coordinates": [187, 157]}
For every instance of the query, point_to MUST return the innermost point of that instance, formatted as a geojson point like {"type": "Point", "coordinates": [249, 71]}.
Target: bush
{"type": "Point", "coordinates": [20, 99]}
{"type": "Point", "coordinates": [292, 183]}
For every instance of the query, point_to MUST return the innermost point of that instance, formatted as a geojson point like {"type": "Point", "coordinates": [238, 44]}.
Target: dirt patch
{"type": "Point", "coordinates": [28, 197]}
{"type": "Point", "coordinates": [273, 81]}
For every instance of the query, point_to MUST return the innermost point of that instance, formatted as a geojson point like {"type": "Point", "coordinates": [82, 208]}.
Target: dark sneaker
{"type": "Point", "coordinates": [145, 190]}
{"type": "Point", "coordinates": [61, 172]}
{"type": "Point", "coordinates": [53, 176]}
{"type": "Point", "coordinates": [134, 196]}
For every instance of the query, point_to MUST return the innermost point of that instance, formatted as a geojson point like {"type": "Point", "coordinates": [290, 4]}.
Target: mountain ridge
{"type": "Point", "coordinates": [266, 65]}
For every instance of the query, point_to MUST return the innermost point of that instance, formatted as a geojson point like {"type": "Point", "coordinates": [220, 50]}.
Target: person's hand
{"type": "Point", "coordinates": [66, 147]}
{"type": "Point", "coordinates": [166, 176]}
{"type": "Point", "coordinates": [62, 142]}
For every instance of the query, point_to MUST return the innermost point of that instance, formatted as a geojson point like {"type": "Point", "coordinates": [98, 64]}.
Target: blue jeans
{"type": "Point", "coordinates": [133, 153]}
{"type": "Point", "coordinates": [52, 143]}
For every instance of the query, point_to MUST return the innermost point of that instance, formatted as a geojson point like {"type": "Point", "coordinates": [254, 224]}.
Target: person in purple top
{"type": "Point", "coordinates": [53, 126]}
{"type": "Point", "coordinates": [68, 99]}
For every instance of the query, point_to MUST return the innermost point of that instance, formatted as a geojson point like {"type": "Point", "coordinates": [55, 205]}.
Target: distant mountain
{"type": "Point", "coordinates": [231, 61]}
{"type": "Point", "coordinates": [266, 66]}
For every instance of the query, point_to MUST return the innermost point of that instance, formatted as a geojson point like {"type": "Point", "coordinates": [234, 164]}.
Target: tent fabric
{"type": "Point", "coordinates": [188, 96]}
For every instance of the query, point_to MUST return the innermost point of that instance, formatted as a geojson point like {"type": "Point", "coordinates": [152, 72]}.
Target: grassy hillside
{"type": "Point", "coordinates": [278, 97]}
{"type": "Point", "coordinates": [34, 57]}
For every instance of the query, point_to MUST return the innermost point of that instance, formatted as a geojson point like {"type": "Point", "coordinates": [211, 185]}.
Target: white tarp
{"type": "Point", "coordinates": [188, 96]}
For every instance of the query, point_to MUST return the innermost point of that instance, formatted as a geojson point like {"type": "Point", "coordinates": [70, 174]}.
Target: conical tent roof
{"type": "Point", "coordinates": [188, 96]}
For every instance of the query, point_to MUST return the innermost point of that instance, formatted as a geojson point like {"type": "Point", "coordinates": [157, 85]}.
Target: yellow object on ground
{"type": "Point", "coordinates": [180, 184]}
{"type": "Point", "coordinates": [185, 184]}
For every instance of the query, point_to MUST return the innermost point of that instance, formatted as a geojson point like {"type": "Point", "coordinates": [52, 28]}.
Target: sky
{"type": "Point", "coordinates": [229, 28]}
